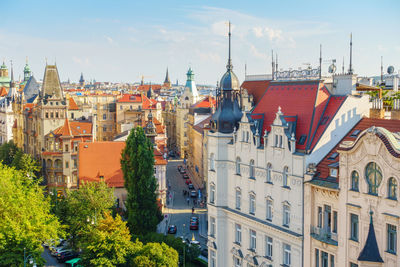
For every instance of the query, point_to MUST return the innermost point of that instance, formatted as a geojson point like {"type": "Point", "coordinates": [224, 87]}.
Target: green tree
{"type": "Point", "coordinates": [25, 218]}
{"type": "Point", "coordinates": [108, 243]}
{"type": "Point", "coordinates": [137, 163]}
{"type": "Point", "coordinates": [12, 156]}
{"type": "Point", "coordinates": [155, 254]}
{"type": "Point", "coordinates": [84, 208]}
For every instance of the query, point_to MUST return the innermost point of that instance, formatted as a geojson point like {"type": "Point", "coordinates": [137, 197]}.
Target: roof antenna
{"type": "Point", "coordinates": [320, 61]}
{"type": "Point", "coordinates": [276, 62]}
{"type": "Point", "coordinates": [245, 70]}
{"type": "Point", "coordinates": [273, 65]}
{"type": "Point", "coordinates": [229, 66]}
{"type": "Point", "coordinates": [343, 66]}
{"type": "Point", "coordinates": [351, 54]}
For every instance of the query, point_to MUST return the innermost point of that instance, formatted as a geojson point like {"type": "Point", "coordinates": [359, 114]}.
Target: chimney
{"type": "Point", "coordinates": [257, 136]}
{"type": "Point", "coordinates": [377, 111]}
{"type": "Point", "coordinates": [265, 138]}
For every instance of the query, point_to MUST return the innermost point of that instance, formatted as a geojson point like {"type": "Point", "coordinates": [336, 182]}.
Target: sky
{"type": "Point", "coordinates": [120, 41]}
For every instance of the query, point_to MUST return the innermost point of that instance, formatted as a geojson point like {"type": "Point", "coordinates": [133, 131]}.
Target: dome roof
{"type": "Point", "coordinates": [229, 81]}
{"type": "Point", "coordinates": [4, 67]}
{"type": "Point", "coordinates": [27, 68]}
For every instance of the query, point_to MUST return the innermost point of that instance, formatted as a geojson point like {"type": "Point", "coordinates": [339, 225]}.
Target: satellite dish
{"type": "Point", "coordinates": [332, 68]}
{"type": "Point", "coordinates": [390, 69]}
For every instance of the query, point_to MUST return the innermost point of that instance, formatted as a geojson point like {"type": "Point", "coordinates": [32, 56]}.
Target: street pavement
{"type": "Point", "coordinates": [178, 210]}
{"type": "Point", "coordinates": [50, 260]}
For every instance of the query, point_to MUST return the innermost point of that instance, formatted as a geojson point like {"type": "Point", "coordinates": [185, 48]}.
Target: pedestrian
{"type": "Point", "coordinates": [192, 210]}
{"type": "Point", "coordinates": [188, 201]}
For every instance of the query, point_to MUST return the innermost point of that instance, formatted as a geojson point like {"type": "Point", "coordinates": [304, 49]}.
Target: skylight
{"type": "Point", "coordinates": [355, 133]}
{"type": "Point", "coordinates": [302, 139]}
{"type": "Point", "coordinates": [333, 156]}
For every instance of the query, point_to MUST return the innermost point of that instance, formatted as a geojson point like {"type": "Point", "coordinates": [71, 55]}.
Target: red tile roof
{"type": "Point", "coordinates": [103, 159]}
{"type": "Point", "coordinates": [3, 91]}
{"type": "Point", "coordinates": [308, 103]}
{"type": "Point", "coordinates": [72, 104]}
{"type": "Point", "coordinates": [256, 89]}
{"type": "Point", "coordinates": [74, 128]}
{"type": "Point", "coordinates": [207, 102]}
{"type": "Point", "coordinates": [145, 87]}
{"type": "Point", "coordinates": [364, 123]}
{"type": "Point", "coordinates": [136, 98]}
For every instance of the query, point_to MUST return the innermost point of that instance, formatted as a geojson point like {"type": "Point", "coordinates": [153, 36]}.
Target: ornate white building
{"type": "Point", "coordinates": [257, 161]}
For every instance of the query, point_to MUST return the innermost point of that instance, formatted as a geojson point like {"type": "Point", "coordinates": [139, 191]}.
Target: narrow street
{"type": "Point", "coordinates": [179, 209]}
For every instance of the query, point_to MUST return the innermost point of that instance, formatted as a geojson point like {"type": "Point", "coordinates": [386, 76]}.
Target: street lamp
{"type": "Point", "coordinates": [29, 258]}
{"type": "Point", "coordinates": [184, 245]}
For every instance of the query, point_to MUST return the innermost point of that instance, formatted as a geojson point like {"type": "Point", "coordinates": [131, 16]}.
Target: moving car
{"type": "Point", "coordinates": [194, 225]}
{"type": "Point", "coordinates": [191, 186]}
{"type": "Point", "coordinates": [172, 229]}
{"type": "Point", "coordinates": [193, 193]}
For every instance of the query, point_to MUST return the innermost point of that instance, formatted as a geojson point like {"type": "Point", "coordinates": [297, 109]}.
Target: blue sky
{"type": "Point", "coordinates": [122, 40]}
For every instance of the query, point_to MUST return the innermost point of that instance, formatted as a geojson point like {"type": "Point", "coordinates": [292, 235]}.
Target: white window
{"type": "Point", "coordinates": [269, 173]}
{"type": "Point", "coordinates": [252, 171]}
{"type": "Point", "coordinates": [212, 193]}
{"type": "Point", "coordinates": [286, 255]}
{"type": "Point", "coordinates": [268, 247]}
{"type": "Point", "coordinates": [269, 209]}
{"type": "Point", "coordinates": [212, 226]}
{"type": "Point", "coordinates": [253, 239]}
{"type": "Point", "coordinates": [238, 233]}
{"type": "Point", "coordinates": [285, 176]}
{"type": "Point", "coordinates": [213, 259]}
{"type": "Point", "coordinates": [238, 198]}
{"type": "Point", "coordinates": [276, 140]}
{"type": "Point", "coordinates": [237, 165]}
{"type": "Point", "coordinates": [212, 162]}
{"type": "Point", "coordinates": [280, 141]}
{"type": "Point", "coordinates": [286, 215]}
{"type": "Point", "coordinates": [252, 208]}
{"type": "Point", "coordinates": [333, 172]}
{"type": "Point", "coordinates": [237, 262]}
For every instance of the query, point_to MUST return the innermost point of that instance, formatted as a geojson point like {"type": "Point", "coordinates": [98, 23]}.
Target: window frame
{"type": "Point", "coordinates": [238, 199]}
{"type": "Point", "coordinates": [287, 254]}
{"type": "Point", "coordinates": [355, 181]}
{"type": "Point", "coordinates": [252, 203]}
{"type": "Point", "coordinates": [354, 227]}
{"type": "Point", "coordinates": [373, 168]}
{"type": "Point", "coordinates": [212, 193]}
{"type": "Point", "coordinates": [269, 247]}
{"type": "Point", "coordinates": [253, 240]}
{"type": "Point", "coordinates": [392, 188]}
{"type": "Point", "coordinates": [286, 215]}
{"type": "Point", "coordinates": [238, 234]}
{"type": "Point", "coordinates": [269, 173]}
{"type": "Point", "coordinates": [252, 169]}
{"type": "Point", "coordinates": [270, 209]}
{"type": "Point", "coordinates": [391, 238]}
{"type": "Point", "coordinates": [238, 161]}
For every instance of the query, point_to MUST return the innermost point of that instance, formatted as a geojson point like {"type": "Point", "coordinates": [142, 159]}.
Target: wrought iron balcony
{"type": "Point", "coordinates": [324, 235]}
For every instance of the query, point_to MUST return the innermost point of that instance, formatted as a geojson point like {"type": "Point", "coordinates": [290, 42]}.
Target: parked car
{"type": "Point", "coordinates": [185, 176]}
{"type": "Point", "coordinates": [191, 186]}
{"type": "Point", "coordinates": [193, 193]}
{"type": "Point", "coordinates": [60, 251]}
{"type": "Point", "coordinates": [182, 170]}
{"type": "Point", "coordinates": [188, 181]}
{"type": "Point", "coordinates": [172, 229]}
{"type": "Point", "coordinates": [68, 255]}
{"type": "Point", "coordinates": [194, 225]}
{"type": "Point", "coordinates": [179, 167]}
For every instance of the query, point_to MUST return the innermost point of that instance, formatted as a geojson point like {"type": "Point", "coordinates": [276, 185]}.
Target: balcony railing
{"type": "Point", "coordinates": [324, 235]}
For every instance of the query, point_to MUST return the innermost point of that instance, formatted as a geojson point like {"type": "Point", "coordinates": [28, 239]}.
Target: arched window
{"type": "Point", "coordinates": [237, 165]}
{"type": "Point", "coordinates": [373, 174]}
{"type": "Point", "coordinates": [354, 181]}
{"type": "Point", "coordinates": [269, 173]}
{"type": "Point", "coordinates": [392, 188]}
{"type": "Point", "coordinates": [252, 168]}
{"type": "Point", "coordinates": [212, 162]}
{"type": "Point", "coordinates": [285, 176]}
{"type": "Point", "coordinates": [252, 203]}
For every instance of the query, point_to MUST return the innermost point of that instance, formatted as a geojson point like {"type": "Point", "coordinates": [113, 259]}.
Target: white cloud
{"type": "Point", "coordinates": [258, 32]}
{"type": "Point", "coordinates": [109, 39]}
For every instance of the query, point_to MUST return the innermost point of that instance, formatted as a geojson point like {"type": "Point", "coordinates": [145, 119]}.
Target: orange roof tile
{"type": "Point", "coordinates": [66, 129]}
{"type": "Point", "coordinates": [207, 102]}
{"type": "Point", "coordinates": [75, 128]}
{"type": "Point", "coordinates": [3, 91]}
{"type": "Point", "coordinates": [72, 104]}
{"type": "Point", "coordinates": [103, 159]}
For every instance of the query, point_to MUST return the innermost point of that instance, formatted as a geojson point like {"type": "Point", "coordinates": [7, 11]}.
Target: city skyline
{"type": "Point", "coordinates": [120, 43]}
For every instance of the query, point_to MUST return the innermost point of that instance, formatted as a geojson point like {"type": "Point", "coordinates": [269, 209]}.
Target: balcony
{"type": "Point", "coordinates": [324, 235]}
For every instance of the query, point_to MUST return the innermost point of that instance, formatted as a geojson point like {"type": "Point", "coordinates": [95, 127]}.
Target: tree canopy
{"type": "Point", "coordinates": [84, 207]}
{"type": "Point", "coordinates": [108, 243]}
{"type": "Point", "coordinates": [137, 163]}
{"type": "Point", "coordinates": [13, 156]}
{"type": "Point", "coordinates": [154, 255]}
{"type": "Point", "coordinates": [25, 221]}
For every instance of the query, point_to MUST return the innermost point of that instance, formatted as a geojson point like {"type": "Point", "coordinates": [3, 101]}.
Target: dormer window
{"type": "Point", "coordinates": [302, 139]}
{"type": "Point", "coordinates": [333, 172]}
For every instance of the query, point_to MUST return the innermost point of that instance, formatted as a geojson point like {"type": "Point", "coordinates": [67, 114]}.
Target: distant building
{"type": "Point", "coordinates": [81, 81]}
{"type": "Point", "coordinates": [4, 78]}
{"type": "Point", "coordinates": [167, 81]}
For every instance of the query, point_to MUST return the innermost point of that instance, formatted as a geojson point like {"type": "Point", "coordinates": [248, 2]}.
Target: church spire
{"type": "Point", "coordinates": [167, 81]}
{"type": "Point", "coordinates": [229, 66]}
